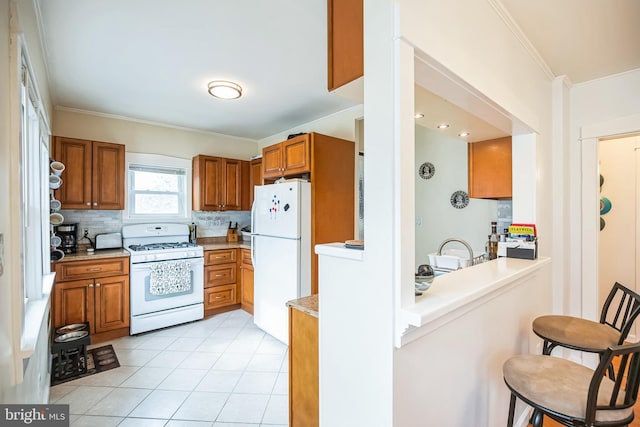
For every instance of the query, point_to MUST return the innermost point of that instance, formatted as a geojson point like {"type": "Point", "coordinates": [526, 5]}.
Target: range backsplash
{"type": "Point", "coordinates": [210, 224]}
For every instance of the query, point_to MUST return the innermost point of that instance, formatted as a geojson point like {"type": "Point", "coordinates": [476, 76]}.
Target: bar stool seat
{"type": "Point", "coordinates": [619, 311]}
{"type": "Point", "coordinates": [576, 333]}
{"type": "Point", "coordinates": [573, 394]}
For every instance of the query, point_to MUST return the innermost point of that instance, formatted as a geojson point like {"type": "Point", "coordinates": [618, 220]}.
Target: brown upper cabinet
{"type": "Point", "coordinates": [220, 184]}
{"type": "Point", "coordinates": [94, 174]}
{"type": "Point", "coordinates": [287, 158]}
{"type": "Point", "coordinates": [345, 44]}
{"type": "Point", "coordinates": [255, 178]}
{"type": "Point", "coordinates": [490, 169]}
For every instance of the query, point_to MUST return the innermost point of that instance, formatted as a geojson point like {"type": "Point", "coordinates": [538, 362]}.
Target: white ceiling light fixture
{"type": "Point", "coordinates": [418, 116]}
{"type": "Point", "coordinates": [464, 134]}
{"type": "Point", "coordinates": [443, 125]}
{"type": "Point", "coordinates": [224, 89]}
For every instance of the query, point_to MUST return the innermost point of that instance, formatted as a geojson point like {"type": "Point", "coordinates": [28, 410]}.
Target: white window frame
{"type": "Point", "coordinates": [160, 162]}
{"type": "Point", "coordinates": [28, 268]}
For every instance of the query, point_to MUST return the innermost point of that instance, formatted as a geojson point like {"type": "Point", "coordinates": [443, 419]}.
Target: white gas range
{"type": "Point", "coordinates": [166, 276]}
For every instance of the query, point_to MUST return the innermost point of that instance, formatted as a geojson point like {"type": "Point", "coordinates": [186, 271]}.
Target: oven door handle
{"type": "Point", "coordinates": [199, 261]}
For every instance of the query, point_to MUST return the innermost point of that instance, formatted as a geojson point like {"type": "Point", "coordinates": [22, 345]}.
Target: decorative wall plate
{"type": "Point", "coordinates": [459, 199]}
{"type": "Point", "coordinates": [426, 170]}
{"type": "Point", "coordinates": [605, 205]}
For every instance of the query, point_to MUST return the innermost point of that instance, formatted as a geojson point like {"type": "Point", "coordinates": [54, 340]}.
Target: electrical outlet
{"type": "Point", "coordinates": [85, 232]}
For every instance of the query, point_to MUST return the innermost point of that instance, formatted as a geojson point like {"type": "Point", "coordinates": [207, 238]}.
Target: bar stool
{"type": "Point", "coordinates": [619, 311]}
{"type": "Point", "coordinates": [573, 394]}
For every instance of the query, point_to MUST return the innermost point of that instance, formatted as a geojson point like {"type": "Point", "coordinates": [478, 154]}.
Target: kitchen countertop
{"type": "Point", "coordinates": [307, 305]}
{"type": "Point", "coordinates": [464, 288]}
{"type": "Point", "coordinates": [215, 243]}
{"type": "Point", "coordinates": [81, 254]}
{"type": "Point", "coordinates": [208, 244]}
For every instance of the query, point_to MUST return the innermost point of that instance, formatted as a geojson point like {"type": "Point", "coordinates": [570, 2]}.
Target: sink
{"type": "Point", "coordinates": [454, 259]}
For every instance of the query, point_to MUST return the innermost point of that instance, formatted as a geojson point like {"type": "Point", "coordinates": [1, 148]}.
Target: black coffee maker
{"type": "Point", "coordinates": [68, 233]}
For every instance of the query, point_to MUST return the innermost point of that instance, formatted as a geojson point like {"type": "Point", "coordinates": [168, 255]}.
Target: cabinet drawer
{"type": "Point", "coordinates": [216, 275]}
{"type": "Point", "coordinates": [246, 256]}
{"type": "Point", "coordinates": [219, 296]}
{"type": "Point", "coordinates": [105, 267]}
{"type": "Point", "coordinates": [219, 256]}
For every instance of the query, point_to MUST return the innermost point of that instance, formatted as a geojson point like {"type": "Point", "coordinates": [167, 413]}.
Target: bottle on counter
{"type": "Point", "coordinates": [493, 241]}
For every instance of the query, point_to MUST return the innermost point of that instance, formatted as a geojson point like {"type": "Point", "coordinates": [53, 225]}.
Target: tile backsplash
{"type": "Point", "coordinates": [210, 224]}
{"type": "Point", "coordinates": [504, 215]}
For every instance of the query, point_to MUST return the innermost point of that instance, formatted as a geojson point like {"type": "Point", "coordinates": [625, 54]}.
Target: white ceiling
{"type": "Point", "coordinates": [151, 59]}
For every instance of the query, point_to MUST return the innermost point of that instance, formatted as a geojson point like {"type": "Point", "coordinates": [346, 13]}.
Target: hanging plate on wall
{"type": "Point", "coordinates": [605, 205]}
{"type": "Point", "coordinates": [602, 223]}
{"type": "Point", "coordinates": [459, 199]}
{"type": "Point", "coordinates": [426, 170]}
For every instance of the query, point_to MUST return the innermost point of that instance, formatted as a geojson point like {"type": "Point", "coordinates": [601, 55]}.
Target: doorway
{"type": "Point", "coordinates": [618, 241]}
{"type": "Point", "coordinates": [590, 215]}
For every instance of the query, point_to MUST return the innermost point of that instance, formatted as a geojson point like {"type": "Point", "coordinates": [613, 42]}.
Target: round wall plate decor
{"type": "Point", "coordinates": [426, 170]}
{"type": "Point", "coordinates": [459, 199]}
{"type": "Point", "coordinates": [605, 205]}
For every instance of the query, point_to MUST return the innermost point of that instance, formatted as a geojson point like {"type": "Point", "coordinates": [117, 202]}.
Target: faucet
{"type": "Point", "coordinates": [442, 245]}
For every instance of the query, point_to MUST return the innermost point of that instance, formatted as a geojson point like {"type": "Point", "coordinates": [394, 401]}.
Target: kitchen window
{"type": "Point", "coordinates": [158, 187]}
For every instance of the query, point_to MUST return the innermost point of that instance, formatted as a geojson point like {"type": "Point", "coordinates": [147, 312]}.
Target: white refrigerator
{"type": "Point", "coordinates": [281, 252]}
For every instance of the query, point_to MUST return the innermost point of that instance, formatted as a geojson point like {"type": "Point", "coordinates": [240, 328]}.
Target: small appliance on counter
{"type": "Point", "coordinates": [108, 241]}
{"type": "Point", "coordinates": [68, 233]}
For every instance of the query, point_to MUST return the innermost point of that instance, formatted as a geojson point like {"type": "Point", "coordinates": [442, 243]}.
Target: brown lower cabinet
{"type": "Point", "coordinates": [93, 291]}
{"type": "Point", "coordinates": [220, 281]}
{"type": "Point", "coordinates": [303, 369]}
{"type": "Point", "coordinates": [246, 278]}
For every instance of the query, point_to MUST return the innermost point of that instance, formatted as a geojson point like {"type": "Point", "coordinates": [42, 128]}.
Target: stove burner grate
{"type": "Point", "coordinates": [161, 246]}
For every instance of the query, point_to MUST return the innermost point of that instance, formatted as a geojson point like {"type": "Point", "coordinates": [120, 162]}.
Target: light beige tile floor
{"type": "Point", "coordinates": [219, 372]}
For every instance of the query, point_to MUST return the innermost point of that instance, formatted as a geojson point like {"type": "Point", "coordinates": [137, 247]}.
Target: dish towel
{"type": "Point", "coordinates": [170, 277]}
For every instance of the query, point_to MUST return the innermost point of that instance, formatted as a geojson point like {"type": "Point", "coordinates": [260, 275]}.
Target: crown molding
{"type": "Point", "coordinates": [148, 122]}
{"type": "Point", "coordinates": [515, 29]}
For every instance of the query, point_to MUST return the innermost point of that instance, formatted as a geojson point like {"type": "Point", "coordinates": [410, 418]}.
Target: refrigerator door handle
{"type": "Point", "coordinates": [253, 211]}
{"type": "Point", "coordinates": [253, 256]}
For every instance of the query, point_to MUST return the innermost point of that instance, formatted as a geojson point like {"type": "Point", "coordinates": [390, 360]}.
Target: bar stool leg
{"type": "Point", "coordinates": [512, 409]}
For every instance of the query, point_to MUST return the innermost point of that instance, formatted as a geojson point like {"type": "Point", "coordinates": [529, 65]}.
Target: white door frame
{"type": "Point", "coordinates": [590, 135]}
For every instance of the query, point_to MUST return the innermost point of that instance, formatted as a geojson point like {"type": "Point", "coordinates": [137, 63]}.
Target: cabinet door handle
{"type": "Point", "coordinates": [219, 256]}
{"type": "Point", "coordinates": [95, 203]}
{"type": "Point", "coordinates": [218, 275]}
{"type": "Point", "coordinates": [88, 203]}
{"type": "Point", "coordinates": [94, 269]}
{"type": "Point", "coordinates": [97, 285]}
{"type": "Point", "coordinates": [219, 297]}
{"type": "Point", "coordinates": [91, 285]}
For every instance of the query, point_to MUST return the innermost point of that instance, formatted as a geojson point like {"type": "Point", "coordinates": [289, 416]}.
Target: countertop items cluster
{"type": "Point", "coordinates": [457, 290]}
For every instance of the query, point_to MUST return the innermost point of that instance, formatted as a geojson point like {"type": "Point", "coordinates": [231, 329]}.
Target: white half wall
{"type": "Point", "coordinates": [452, 376]}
